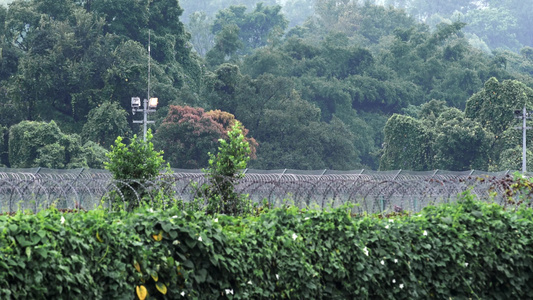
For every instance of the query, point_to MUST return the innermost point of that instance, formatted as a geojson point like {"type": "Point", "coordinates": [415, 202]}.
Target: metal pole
{"type": "Point", "coordinates": [145, 120]}
{"type": "Point", "coordinates": [149, 55]}
{"type": "Point", "coordinates": [524, 113]}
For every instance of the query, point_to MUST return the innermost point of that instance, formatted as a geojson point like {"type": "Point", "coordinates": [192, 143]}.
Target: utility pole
{"type": "Point", "coordinates": [148, 107]}
{"type": "Point", "coordinates": [523, 115]}
{"type": "Point", "coordinates": [149, 104]}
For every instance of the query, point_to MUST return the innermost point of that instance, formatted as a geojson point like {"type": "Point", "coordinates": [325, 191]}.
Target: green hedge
{"type": "Point", "coordinates": [465, 250]}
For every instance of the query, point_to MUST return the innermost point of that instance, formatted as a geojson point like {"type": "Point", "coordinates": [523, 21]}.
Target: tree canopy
{"type": "Point", "coordinates": [410, 84]}
{"type": "Point", "coordinates": [440, 137]}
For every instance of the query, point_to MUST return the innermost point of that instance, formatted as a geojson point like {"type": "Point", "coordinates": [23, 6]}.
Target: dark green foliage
{"type": "Point", "coordinates": [224, 171]}
{"type": "Point", "coordinates": [464, 250]}
{"type": "Point", "coordinates": [3, 13]}
{"type": "Point", "coordinates": [438, 137]}
{"type": "Point", "coordinates": [255, 28]}
{"type": "Point", "coordinates": [62, 60]}
{"type": "Point", "coordinates": [226, 45]}
{"type": "Point", "coordinates": [494, 108]}
{"type": "Point", "coordinates": [495, 104]}
{"type": "Point", "coordinates": [9, 58]}
{"type": "Point", "coordinates": [123, 17]}
{"type": "Point", "coordinates": [483, 137]}
{"type": "Point", "coordinates": [95, 155]}
{"type": "Point", "coordinates": [105, 123]}
{"type": "Point", "coordinates": [461, 143]}
{"type": "Point", "coordinates": [406, 145]}
{"type": "Point", "coordinates": [288, 129]}
{"type": "Point", "coordinates": [511, 159]}
{"type": "Point", "coordinates": [137, 163]}
{"type": "Point", "coordinates": [40, 144]}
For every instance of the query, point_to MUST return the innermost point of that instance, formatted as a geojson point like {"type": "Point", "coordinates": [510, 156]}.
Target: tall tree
{"type": "Point", "coordinates": [407, 145]}
{"type": "Point", "coordinates": [461, 143]}
{"type": "Point", "coordinates": [496, 26]}
{"type": "Point", "coordinates": [256, 27]}
{"type": "Point", "coordinates": [187, 135]}
{"type": "Point", "coordinates": [227, 43]}
{"type": "Point", "coordinates": [41, 144]}
{"type": "Point", "coordinates": [521, 11]}
{"type": "Point", "coordinates": [105, 123]}
{"type": "Point", "coordinates": [201, 36]}
{"type": "Point", "coordinates": [495, 104]}
{"type": "Point", "coordinates": [126, 18]}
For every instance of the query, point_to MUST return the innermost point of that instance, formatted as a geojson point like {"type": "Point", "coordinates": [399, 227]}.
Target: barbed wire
{"type": "Point", "coordinates": [368, 191]}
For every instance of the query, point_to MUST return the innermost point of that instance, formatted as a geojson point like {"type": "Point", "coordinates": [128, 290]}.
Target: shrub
{"type": "Point", "coordinates": [455, 251]}
{"type": "Point", "coordinates": [41, 144]}
{"type": "Point", "coordinates": [134, 166]}
{"type": "Point", "coordinates": [225, 169]}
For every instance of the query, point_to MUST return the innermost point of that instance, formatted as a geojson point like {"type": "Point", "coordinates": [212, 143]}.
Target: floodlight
{"type": "Point", "coordinates": [153, 103]}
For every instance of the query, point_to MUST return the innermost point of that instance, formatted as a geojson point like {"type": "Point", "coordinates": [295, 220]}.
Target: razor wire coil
{"type": "Point", "coordinates": [367, 191]}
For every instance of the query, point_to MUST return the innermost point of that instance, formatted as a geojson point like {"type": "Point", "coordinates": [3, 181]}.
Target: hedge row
{"type": "Point", "coordinates": [465, 250]}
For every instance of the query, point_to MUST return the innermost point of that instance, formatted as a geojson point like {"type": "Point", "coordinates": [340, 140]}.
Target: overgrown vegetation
{"type": "Point", "coordinates": [225, 169]}
{"type": "Point", "coordinates": [134, 165]}
{"type": "Point", "coordinates": [333, 71]}
{"type": "Point", "coordinates": [469, 249]}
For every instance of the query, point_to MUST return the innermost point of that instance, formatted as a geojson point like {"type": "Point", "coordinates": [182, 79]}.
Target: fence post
{"type": "Point", "coordinates": [358, 176]}
{"type": "Point", "coordinates": [79, 174]}
{"type": "Point", "coordinates": [280, 176]}
{"type": "Point", "coordinates": [325, 170]}
{"type": "Point", "coordinates": [395, 176]}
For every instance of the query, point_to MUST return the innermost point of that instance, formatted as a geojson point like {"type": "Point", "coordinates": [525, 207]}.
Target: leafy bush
{"type": "Point", "coordinates": [455, 251]}
{"type": "Point", "coordinates": [41, 144]}
{"type": "Point", "coordinates": [135, 165]}
{"type": "Point", "coordinates": [225, 168]}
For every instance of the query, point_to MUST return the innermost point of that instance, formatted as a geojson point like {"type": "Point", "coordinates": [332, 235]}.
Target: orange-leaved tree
{"type": "Point", "coordinates": [188, 134]}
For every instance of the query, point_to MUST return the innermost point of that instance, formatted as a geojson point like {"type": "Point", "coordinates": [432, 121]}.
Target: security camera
{"type": "Point", "coordinates": [135, 102]}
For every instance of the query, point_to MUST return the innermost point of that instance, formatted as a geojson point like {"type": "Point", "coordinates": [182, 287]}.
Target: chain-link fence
{"type": "Point", "coordinates": [369, 191]}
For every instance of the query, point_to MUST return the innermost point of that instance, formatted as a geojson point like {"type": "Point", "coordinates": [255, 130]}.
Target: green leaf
{"type": "Point", "coordinates": [201, 275]}
{"type": "Point", "coordinates": [13, 229]}
{"type": "Point", "coordinates": [188, 264]}
{"type": "Point", "coordinates": [447, 220]}
{"type": "Point", "coordinates": [477, 214]}
{"type": "Point", "coordinates": [22, 241]}
{"type": "Point", "coordinates": [167, 227]}
{"type": "Point", "coordinates": [191, 243]}
{"type": "Point", "coordinates": [42, 252]}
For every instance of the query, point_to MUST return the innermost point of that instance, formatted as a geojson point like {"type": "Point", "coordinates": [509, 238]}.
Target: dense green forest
{"type": "Point", "coordinates": [336, 84]}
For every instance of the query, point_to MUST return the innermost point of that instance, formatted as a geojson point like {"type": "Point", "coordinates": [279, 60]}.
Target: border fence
{"type": "Point", "coordinates": [368, 191]}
